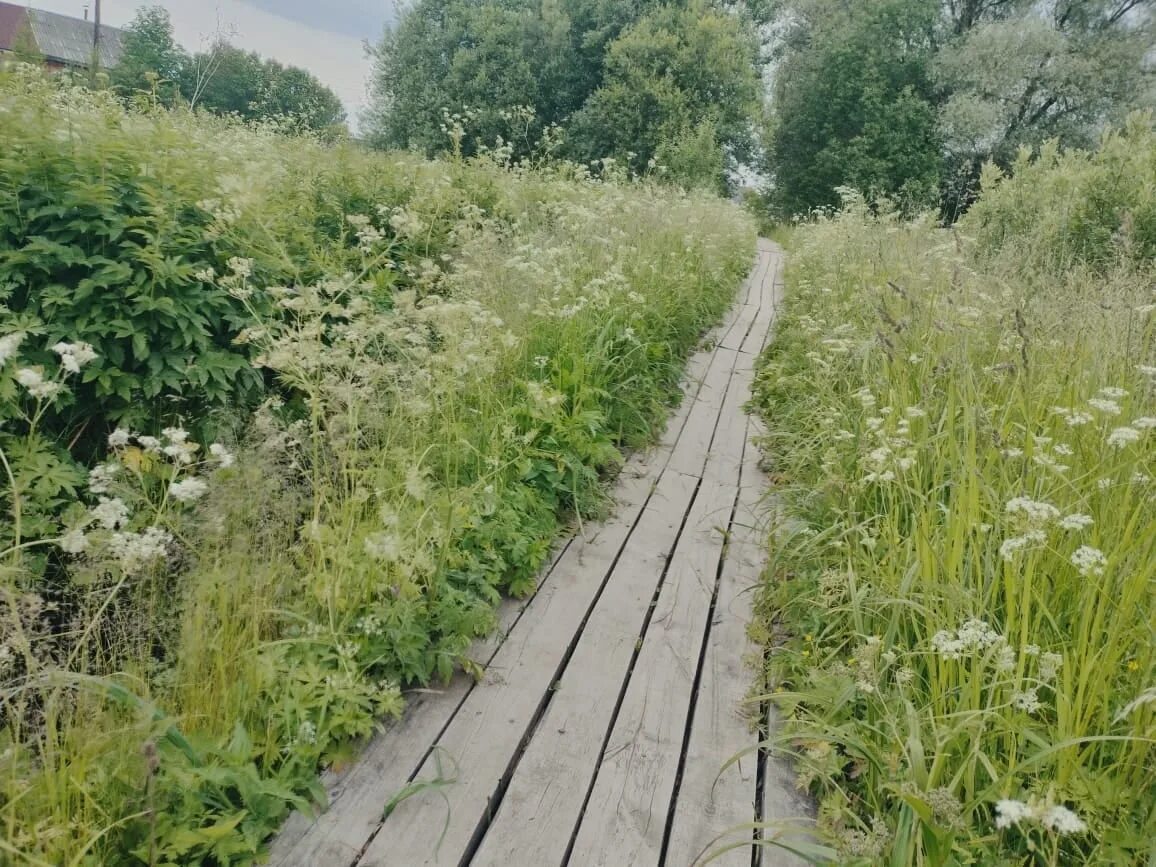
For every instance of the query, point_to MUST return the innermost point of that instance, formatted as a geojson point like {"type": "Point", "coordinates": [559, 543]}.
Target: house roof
{"type": "Point", "coordinates": [61, 38]}
{"type": "Point", "coordinates": [12, 20]}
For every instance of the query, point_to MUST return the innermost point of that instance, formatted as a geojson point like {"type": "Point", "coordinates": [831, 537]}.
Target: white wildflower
{"type": "Point", "coordinates": [415, 484]}
{"type": "Point", "coordinates": [188, 490]}
{"type": "Point", "coordinates": [383, 546]}
{"type": "Point", "coordinates": [32, 379]}
{"type": "Point", "coordinates": [149, 444]}
{"type": "Point", "coordinates": [110, 513]}
{"type": "Point", "coordinates": [1108, 407]}
{"type": "Point", "coordinates": [9, 343]}
{"type": "Point", "coordinates": [1050, 664]}
{"type": "Point", "coordinates": [306, 733]}
{"type": "Point", "coordinates": [904, 676]}
{"type": "Point", "coordinates": [74, 356]}
{"type": "Point", "coordinates": [1146, 369]}
{"type": "Point", "coordinates": [1061, 820]}
{"type": "Point", "coordinates": [1027, 700]}
{"type": "Point", "coordinates": [1032, 650]}
{"type": "Point", "coordinates": [101, 477]}
{"type": "Point", "coordinates": [1112, 393]}
{"type": "Point", "coordinates": [1064, 450]}
{"type": "Point", "coordinates": [1006, 660]}
{"type": "Point", "coordinates": [1037, 511]}
{"type": "Point", "coordinates": [1146, 422]}
{"type": "Point", "coordinates": [1010, 812]}
{"type": "Point", "coordinates": [136, 551]}
{"type": "Point", "coordinates": [224, 457]}
{"type": "Point", "coordinates": [1089, 561]}
{"type": "Point", "coordinates": [119, 438]}
{"type": "Point", "coordinates": [1013, 452]}
{"type": "Point", "coordinates": [972, 635]}
{"type": "Point", "coordinates": [1011, 546]}
{"type": "Point", "coordinates": [1122, 436]}
{"type": "Point", "coordinates": [1076, 522]}
{"type": "Point", "coordinates": [74, 541]}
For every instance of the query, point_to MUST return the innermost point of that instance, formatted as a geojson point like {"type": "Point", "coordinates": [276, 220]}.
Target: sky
{"type": "Point", "coordinates": [325, 37]}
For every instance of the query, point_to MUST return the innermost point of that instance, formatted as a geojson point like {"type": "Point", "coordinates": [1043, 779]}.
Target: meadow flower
{"type": "Point", "coordinates": [101, 477]}
{"type": "Point", "coordinates": [1005, 661]}
{"type": "Point", "coordinates": [1063, 449]}
{"type": "Point", "coordinates": [1050, 664]}
{"type": "Point", "coordinates": [1026, 701]}
{"type": "Point", "coordinates": [9, 343]}
{"type": "Point", "coordinates": [306, 733]}
{"type": "Point", "coordinates": [904, 676]}
{"type": "Point", "coordinates": [1146, 422]}
{"type": "Point", "coordinates": [32, 379]}
{"type": "Point", "coordinates": [74, 541]}
{"type": "Point", "coordinates": [1062, 821]}
{"type": "Point", "coordinates": [224, 457]}
{"type": "Point", "coordinates": [1076, 522]}
{"type": "Point", "coordinates": [1089, 561]}
{"type": "Point", "coordinates": [1036, 511]}
{"type": "Point", "coordinates": [74, 356]}
{"type": "Point", "coordinates": [1146, 369]}
{"type": "Point", "coordinates": [1012, 546]}
{"type": "Point", "coordinates": [110, 513]}
{"type": "Point", "coordinates": [1112, 393]}
{"type": "Point", "coordinates": [973, 635]}
{"type": "Point", "coordinates": [1104, 405]}
{"type": "Point", "coordinates": [1074, 418]}
{"type": "Point", "coordinates": [1009, 811]}
{"type": "Point", "coordinates": [1013, 452]}
{"type": "Point", "coordinates": [1122, 436]}
{"type": "Point", "coordinates": [136, 551]}
{"type": "Point", "coordinates": [188, 490]}
{"type": "Point", "coordinates": [119, 438]}
{"type": "Point", "coordinates": [383, 546]}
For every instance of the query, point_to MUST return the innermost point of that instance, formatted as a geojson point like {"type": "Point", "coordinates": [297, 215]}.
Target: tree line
{"type": "Point", "coordinates": [223, 79]}
{"type": "Point", "coordinates": [903, 98]}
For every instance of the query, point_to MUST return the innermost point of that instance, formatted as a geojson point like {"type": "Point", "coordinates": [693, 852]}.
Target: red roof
{"type": "Point", "coordinates": [13, 19]}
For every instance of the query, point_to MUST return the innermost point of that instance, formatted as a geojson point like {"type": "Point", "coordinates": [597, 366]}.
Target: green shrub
{"type": "Point", "coordinates": [1060, 209]}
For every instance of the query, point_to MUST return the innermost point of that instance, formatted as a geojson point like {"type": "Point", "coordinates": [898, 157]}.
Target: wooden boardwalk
{"type": "Point", "coordinates": [613, 697]}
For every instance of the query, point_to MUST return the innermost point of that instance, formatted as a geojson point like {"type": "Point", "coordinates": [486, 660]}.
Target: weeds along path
{"type": "Point", "coordinates": [613, 698]}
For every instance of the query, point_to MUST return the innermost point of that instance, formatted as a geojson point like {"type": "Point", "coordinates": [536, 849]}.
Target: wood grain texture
{"type": "Point", "coordinates": [625, 818]}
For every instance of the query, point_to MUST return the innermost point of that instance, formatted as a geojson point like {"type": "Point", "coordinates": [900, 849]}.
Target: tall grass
{"type": "Point", "coordinates": [966, 594]}
{"type": "Point", "coordinates": [452, 357]}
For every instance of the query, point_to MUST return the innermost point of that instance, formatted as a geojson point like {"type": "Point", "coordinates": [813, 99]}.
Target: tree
{"type": "Point", "coordinates": [151, 59]}
{"type": "Point", "coordinates": [675, 79]}
{"type": "Point", "coordinates": [230, 80]}
{"type": "Point", "coordinates": [854, 85]}
{"type": "Point", "coordinates": [1038, 73]}
{"type": "Point", "coordinates": [623, 79]}
{"type": "Point", "coordinates": [854, 106]}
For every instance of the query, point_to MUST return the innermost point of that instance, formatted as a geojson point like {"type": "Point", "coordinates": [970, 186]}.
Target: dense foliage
{"type": "Point", "coordinates": [963, 588]}
{"type": "Point", "coordinates": [643, 84]}
{"type": "Point", "coordinates": [224, 79]}
{"type": "Point", "coordinates": [307, 414]}
{"type": "Point", "coordinates": [909, 98]}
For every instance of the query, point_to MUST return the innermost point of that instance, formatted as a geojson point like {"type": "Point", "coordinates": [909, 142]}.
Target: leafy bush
{"type": "Point", "coordinates": [1061, 208]}
{"type": "Point", "coordinates": [967, 572]}
{"type": "Point", "coordinates": [449, 357]}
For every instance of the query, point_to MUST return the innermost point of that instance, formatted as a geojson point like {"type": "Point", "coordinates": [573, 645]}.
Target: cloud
{"type": "Point", "coordinates": [336, 58]}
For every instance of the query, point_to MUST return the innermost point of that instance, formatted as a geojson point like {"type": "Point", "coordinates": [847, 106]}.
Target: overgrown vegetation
{"type": "Point", "coordinates": [224, 79]}
{"type": "Point", "coordinates": [961, 596]}
{"type": "Point", "coordinates": [667, 88]}
{"type": "Point", "coordinates": [910, 98]}
{"type": "Point", "coordinates": [281, 424]}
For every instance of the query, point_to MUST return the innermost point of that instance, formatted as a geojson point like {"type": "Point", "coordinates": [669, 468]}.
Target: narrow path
{"type": "Point", "coordinates": [613, 697]}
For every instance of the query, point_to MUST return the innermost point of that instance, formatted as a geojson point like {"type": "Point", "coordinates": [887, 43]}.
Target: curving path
{"type": "Point", "coordinates": [612, 698]}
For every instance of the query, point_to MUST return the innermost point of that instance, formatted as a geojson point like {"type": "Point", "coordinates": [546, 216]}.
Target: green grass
{"type": "Point", "coordinates": [962, 601]}
{"type": "Point", "coordinates": [452, 358]}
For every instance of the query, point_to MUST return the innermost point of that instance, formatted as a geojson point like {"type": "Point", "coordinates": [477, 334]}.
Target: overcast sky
{"type": "Point", "coordinates": [324, 36]}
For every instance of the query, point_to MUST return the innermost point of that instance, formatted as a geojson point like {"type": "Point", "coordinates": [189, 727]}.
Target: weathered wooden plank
{"type": "Point", "coordinates": [713, 800]}
{"type": "Point", "coordinates": [483, 739]}
{"type": "Point", "coordinates": [690, 452]}
{"type": "Point", "coordinates": [547, 790]}
{"type": "Point", "coordinates": [770, 294]}
{"type": "Point", "coordinates": [625, 817]}
{"type": "Point", "coordinates": [357, 793]}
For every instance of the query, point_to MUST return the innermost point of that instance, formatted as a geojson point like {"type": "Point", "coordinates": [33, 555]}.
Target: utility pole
{"type": "Point", "coordinates": [96, 31]}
